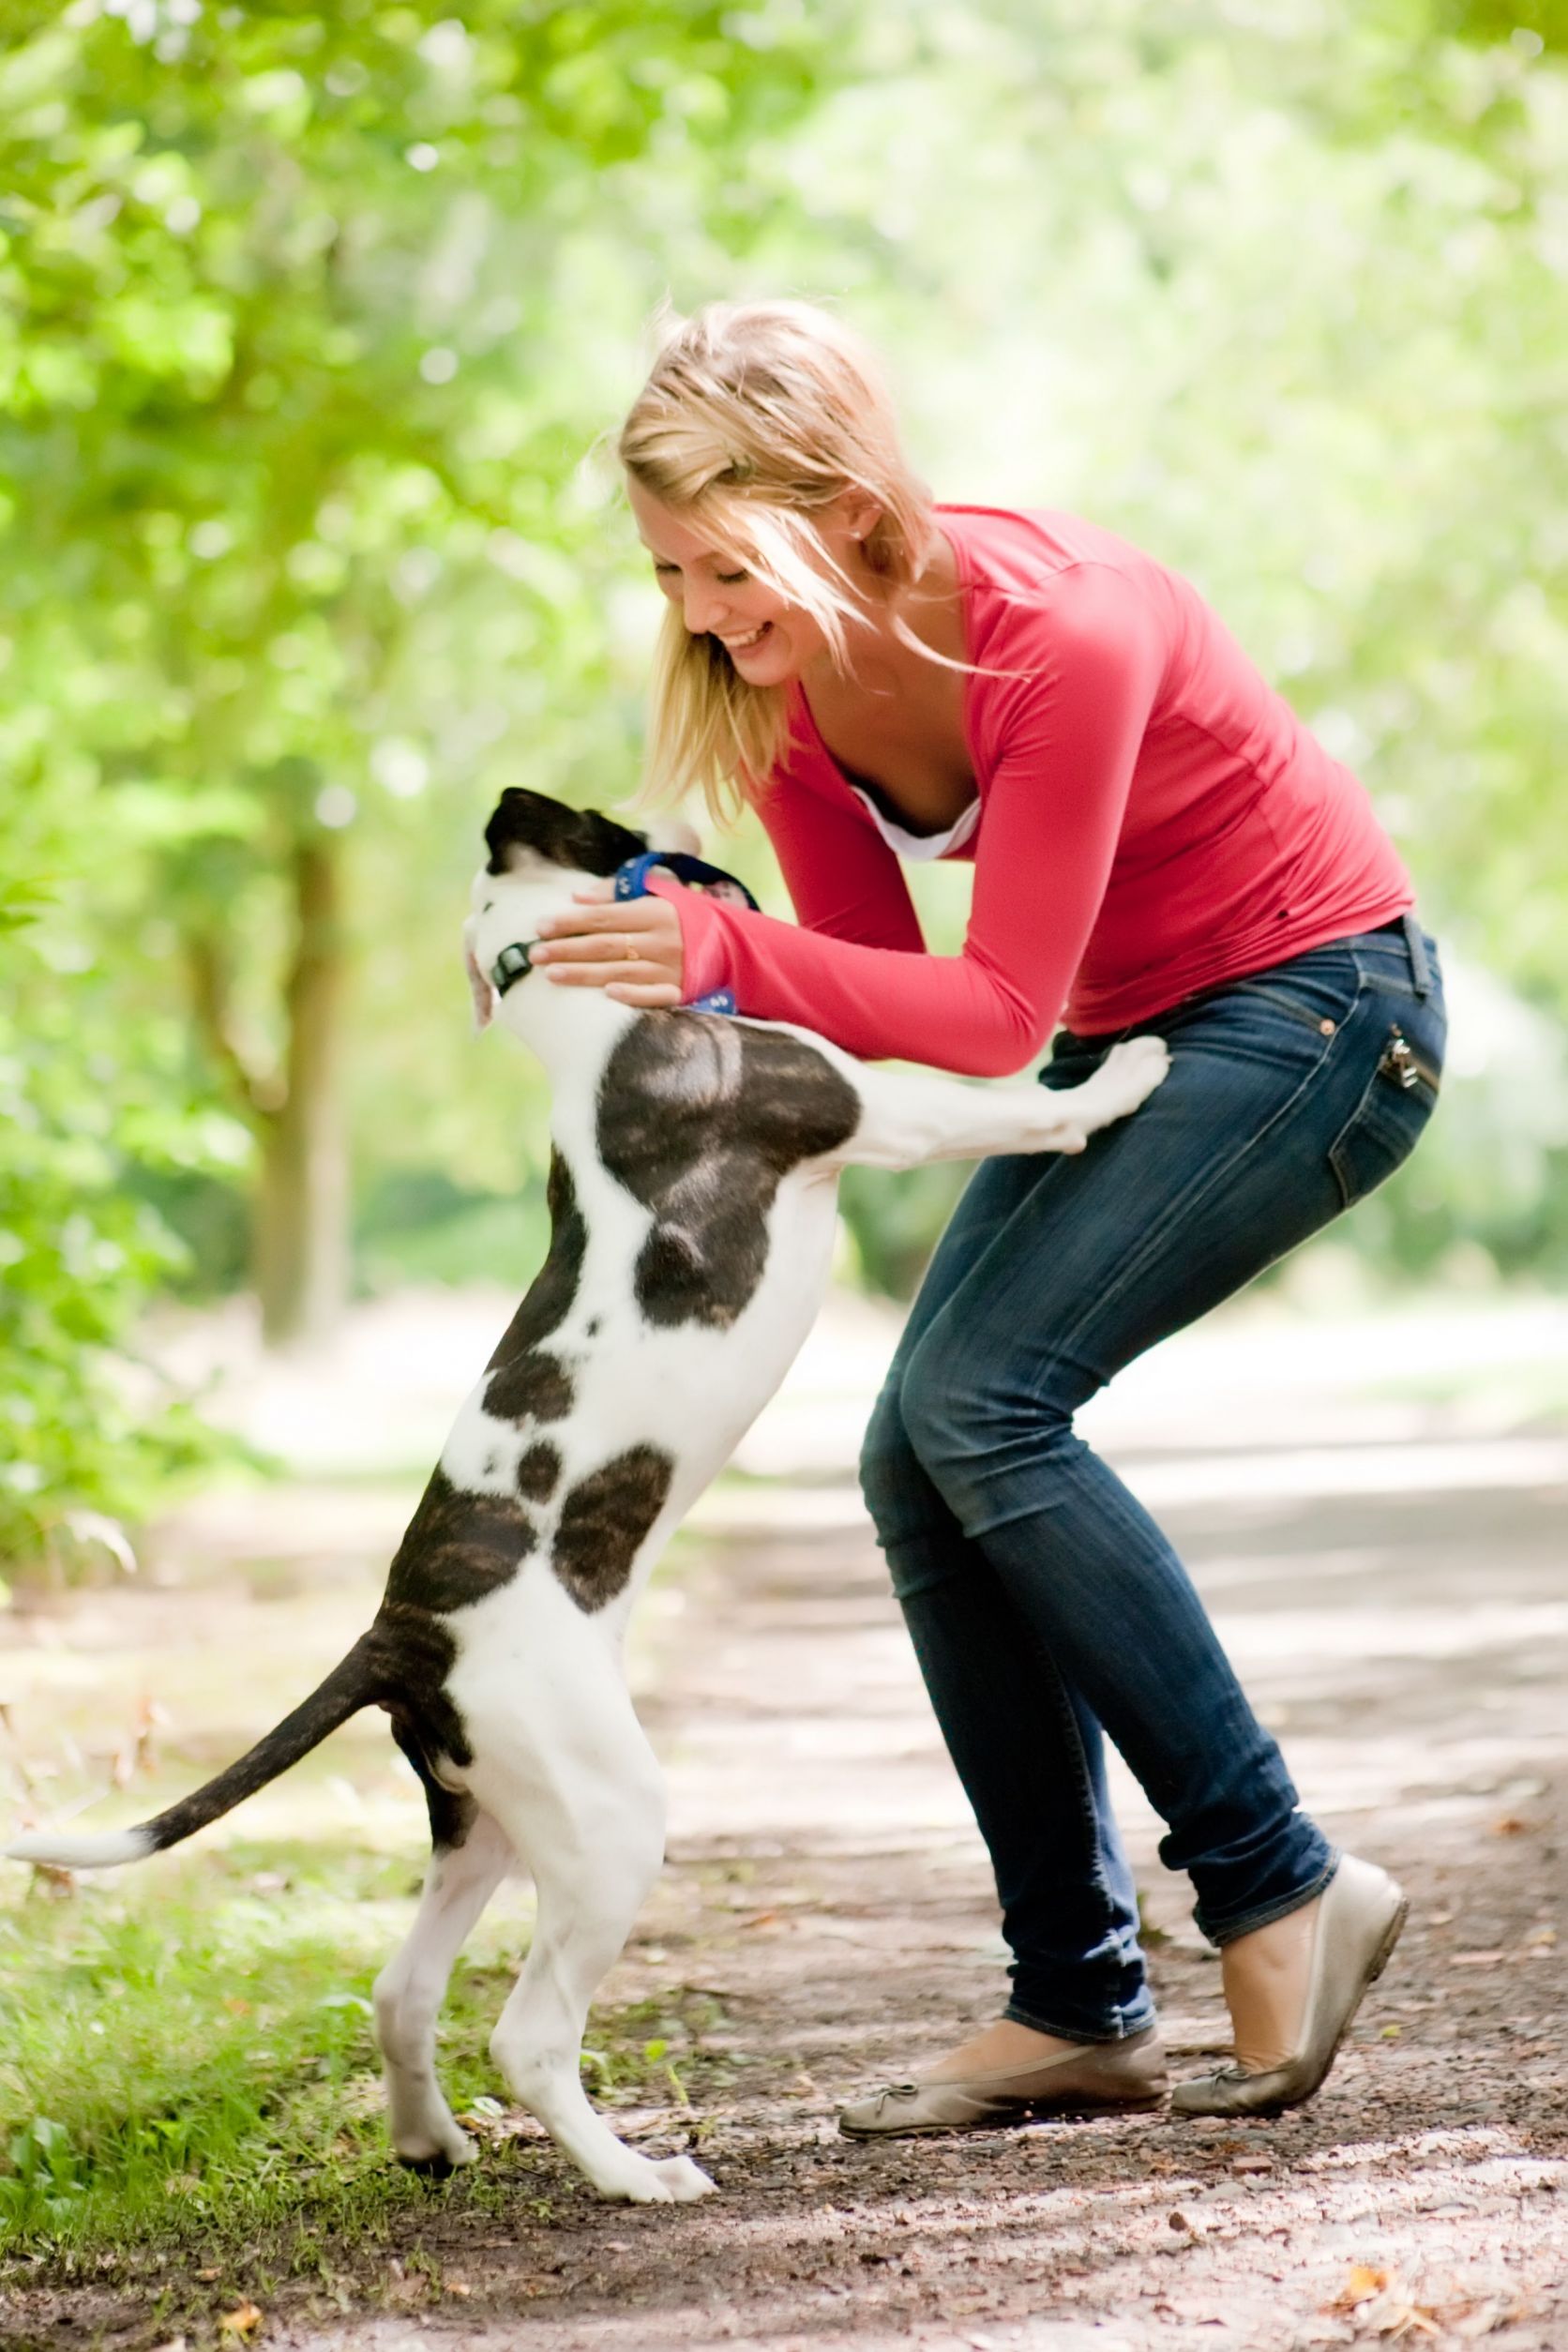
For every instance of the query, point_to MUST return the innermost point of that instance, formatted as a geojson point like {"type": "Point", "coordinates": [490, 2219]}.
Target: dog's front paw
{"type": "Point", "coordinates": [1130, 1072]}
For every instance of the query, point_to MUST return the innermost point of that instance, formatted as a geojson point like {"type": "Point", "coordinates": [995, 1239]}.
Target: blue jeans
{"type": "Point", "coordinates": [1046, 1607]}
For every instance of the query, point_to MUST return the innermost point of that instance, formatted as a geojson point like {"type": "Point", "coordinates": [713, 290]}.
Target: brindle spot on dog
{"type": "Point", "coordinates": [458, 1546]}
{"type": "Point", "coordinates": [699, 1118]}
{"type": "Point", "coordinates": [537, 1472]}
{"type": "Point", "coordinates": [548, 1300]}
{"type": "Point", "coordinates": [604, 1522]}
{"type": "Point", "coordinates": [536, 1387]}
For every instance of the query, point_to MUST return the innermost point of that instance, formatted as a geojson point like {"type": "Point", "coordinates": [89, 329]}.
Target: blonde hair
{"type": "Point", "coordinates": [755, 418]}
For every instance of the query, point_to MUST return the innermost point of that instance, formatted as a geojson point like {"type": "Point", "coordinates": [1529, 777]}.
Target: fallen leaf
{"type": "Point", "coordinates": [1476, 1959]}
{"type": "Point", "coordinates": [1360, 2288]}
{"type": "Point", "coordinates": [243, 2320]}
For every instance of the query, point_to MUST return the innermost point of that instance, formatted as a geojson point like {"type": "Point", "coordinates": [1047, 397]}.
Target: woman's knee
{"type": "Point", "coordinates": [920, 1540]}
{"type": "Point", "coordinates": [890, 1471]}
{"type": "Point", "coordinates": [970, 1418]}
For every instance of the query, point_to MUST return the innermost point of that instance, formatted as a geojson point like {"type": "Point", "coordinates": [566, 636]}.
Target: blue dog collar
{"type": "Point", "coordinates": [631, 882]}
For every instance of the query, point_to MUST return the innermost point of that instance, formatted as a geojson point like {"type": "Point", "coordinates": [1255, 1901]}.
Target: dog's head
{"type": "Point", "coordinates": [540, 850]}
{"type": "Point", "coordinates": [528, 830]}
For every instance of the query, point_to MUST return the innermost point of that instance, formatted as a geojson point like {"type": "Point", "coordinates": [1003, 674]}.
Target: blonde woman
{"type": "Point", "coordinates": [1158, 844]}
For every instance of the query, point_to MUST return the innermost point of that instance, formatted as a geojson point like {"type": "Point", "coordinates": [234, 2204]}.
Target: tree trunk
{"type": "Point", "coordinates": [302, 1218]}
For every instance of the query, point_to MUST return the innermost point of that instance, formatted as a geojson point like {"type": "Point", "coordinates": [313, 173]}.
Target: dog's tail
{"type": "Point", "coordinates": [351, 1684]}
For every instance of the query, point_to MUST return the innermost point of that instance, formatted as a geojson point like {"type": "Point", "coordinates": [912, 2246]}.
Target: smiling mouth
{"type": "Point", "coordinates": [743, 644]}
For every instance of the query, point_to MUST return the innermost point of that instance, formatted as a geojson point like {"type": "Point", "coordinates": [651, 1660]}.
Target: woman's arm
{"type": "Point", "coordinates": [843, 880]}
{"type": "Point", "coordinates": [1069, 734]}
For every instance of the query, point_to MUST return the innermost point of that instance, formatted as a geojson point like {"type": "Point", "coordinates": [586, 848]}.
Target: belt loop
{"type": "Point", "coordinates": [1421, 970]}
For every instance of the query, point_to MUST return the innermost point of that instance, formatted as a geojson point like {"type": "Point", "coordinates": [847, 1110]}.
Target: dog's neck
{"type": "Point", "coordinates": [562, 1026]}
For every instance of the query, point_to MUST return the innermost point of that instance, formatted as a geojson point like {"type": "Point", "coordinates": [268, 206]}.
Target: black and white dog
{"type": "Point", "coordinates": [691, 1195]}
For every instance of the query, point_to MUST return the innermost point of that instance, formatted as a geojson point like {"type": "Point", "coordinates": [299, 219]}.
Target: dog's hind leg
{"type": "Point", "coordinates": [594, 1837]}
{"type": "Point", "coordinates": [410, 1990]}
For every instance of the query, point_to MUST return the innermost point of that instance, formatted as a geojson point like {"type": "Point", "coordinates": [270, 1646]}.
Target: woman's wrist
{"type": "Point", "coordinates": [705, 938]}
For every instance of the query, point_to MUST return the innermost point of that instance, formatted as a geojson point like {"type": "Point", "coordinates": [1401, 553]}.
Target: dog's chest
{"type": "Point", "coordinates": [690, 1239]}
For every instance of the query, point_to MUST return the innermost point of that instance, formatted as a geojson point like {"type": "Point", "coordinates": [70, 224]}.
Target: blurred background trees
{"type": "Point", "coordinates": [310, 320]}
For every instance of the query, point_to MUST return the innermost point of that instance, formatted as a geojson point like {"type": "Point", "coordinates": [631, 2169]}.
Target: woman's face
{"type": "Point", "coordinates": [770, 640]}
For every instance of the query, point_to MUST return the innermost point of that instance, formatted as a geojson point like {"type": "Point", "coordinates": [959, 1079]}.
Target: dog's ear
{"type": "Point", "coordinates": [479, 989]}
{"type": "Point", "coordinates": [520, 820]}
{"type": "Point", "coordinates": [579, 839]}
{"type": "Point", "coordinates": [596, 844]}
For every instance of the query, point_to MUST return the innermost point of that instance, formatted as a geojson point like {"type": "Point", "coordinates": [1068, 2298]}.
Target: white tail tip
{"type": "Point", "coordinates": [63, 1853]}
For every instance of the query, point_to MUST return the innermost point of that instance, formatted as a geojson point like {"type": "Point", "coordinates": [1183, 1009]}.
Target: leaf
{"type": "Point", "coordinates": [242, 2321]}
{"type": "Point", "coordinates": [1360, 2286]}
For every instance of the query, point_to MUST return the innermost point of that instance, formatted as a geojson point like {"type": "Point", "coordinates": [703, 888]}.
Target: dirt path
{"type": "Point", "coordinates": [1390, 1579]}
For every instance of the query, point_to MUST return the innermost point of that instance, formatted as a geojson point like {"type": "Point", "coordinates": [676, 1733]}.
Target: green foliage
{"type": "Point", "coordinates": [78, 1432]}
{"type": "Point", "coordinates": [298, 311]}
{"type": "Point", "coordinates": [187, 2058]}
{"type": "Point", "coordinates": [194, 2057]}
{"type": "Point", "coordinates": [307, 317]}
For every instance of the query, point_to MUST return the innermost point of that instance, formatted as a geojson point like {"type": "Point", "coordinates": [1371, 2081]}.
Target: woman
{"type": "Point", "coordinates": [1158, 844]}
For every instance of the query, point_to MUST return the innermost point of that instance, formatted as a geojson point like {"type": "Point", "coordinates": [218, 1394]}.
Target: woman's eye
{"type": "Point", "coordinates": [730, 580]}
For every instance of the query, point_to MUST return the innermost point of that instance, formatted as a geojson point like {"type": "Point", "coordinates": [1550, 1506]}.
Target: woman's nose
{"type": "Point", "coordinates": [704, 611]}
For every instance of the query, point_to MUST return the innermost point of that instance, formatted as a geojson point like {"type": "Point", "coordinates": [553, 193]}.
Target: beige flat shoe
{"type": "Point", "coordinates": [1090, 2079]}
{"type": "Point", "coordinates": [1358, 1925]}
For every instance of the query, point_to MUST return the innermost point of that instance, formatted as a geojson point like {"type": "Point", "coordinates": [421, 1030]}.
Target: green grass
{"type": "Point", "coordinates": [187, 2060]}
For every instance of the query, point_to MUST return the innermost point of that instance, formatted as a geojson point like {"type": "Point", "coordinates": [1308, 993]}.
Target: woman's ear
{"type": "Point", "coordinates": [861, 513]}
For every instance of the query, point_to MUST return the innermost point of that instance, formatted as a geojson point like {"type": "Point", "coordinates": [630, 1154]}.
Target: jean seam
{"type": "Point", "coordinates": [1194, 1196]}
{"type": "Point", "coordinates": [1089, 1819]}
{"type": "Point", "coordinates": [1301, 1013]}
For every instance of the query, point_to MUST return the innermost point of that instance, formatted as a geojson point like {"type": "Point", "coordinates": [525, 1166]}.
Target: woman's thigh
{"type": "Point", "coordinates": [1287, 1098]}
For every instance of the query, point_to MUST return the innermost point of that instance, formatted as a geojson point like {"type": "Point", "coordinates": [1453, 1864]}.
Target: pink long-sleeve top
{"type": "Point", "coordinates": [1153, 818]}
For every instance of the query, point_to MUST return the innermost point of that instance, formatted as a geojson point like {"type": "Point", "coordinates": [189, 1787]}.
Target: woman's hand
{"type": "Point", "coordinates": [629, 947]}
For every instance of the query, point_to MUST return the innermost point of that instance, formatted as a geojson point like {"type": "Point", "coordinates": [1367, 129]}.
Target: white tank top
{"type": "Point", "coordinates": [919, 846]}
